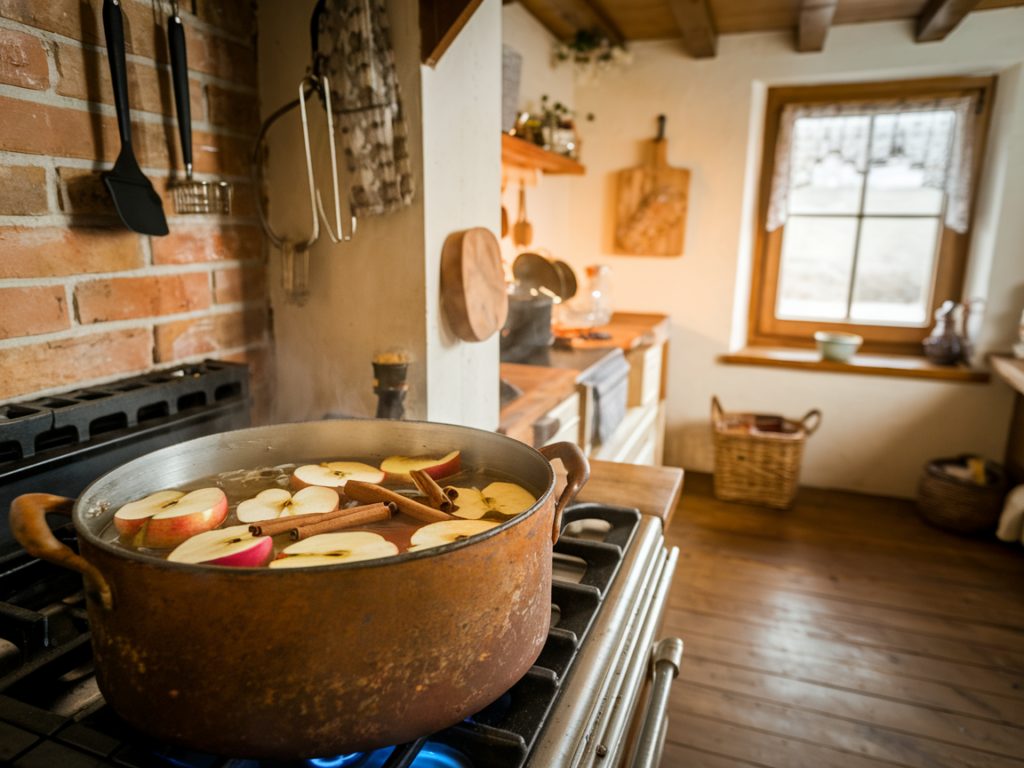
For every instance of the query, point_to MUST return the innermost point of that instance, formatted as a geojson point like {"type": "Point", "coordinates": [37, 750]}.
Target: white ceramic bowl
{"type": "Point", "coordinates": [838, 347]}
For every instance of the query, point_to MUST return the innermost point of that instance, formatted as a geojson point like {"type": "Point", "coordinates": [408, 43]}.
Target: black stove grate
{"type": "Point", "coordinates": [51, 713]}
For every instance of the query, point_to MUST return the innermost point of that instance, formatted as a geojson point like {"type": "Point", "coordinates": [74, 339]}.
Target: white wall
{"type": "Point", "coordinates": [877, 432]}
{"type": "Point", "coordinates": [462, 189]}
{"type": "Point", "coordinates": [379, 293]}
{"type": "Point", "coordinates": [547, 203]}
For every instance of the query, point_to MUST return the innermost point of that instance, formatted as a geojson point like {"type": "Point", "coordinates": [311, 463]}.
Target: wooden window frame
{"type": "Point", "coordinates": [764, 329]}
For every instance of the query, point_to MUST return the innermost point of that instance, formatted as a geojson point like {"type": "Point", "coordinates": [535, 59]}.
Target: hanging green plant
{"type": "Point", "coordinates": [591, 52]}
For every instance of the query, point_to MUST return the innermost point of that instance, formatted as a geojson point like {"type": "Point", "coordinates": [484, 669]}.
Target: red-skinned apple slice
{"type": "Point", "coordinates": [447, 531]}
{"type": "Point", "coordinates": [184, 515]}
{"type": "Point", "coordinates": [179, 519]}
{"type": "Point", "coordinates": [334, 548]}
{"type": "Point", "coordinates": [505, 499]}
{"type": "Point", "coordinates": [130, 518]}
{"type": "Point", "coordinates": [399, 467]}
{"type": "Point", "coordinates": [233, 546]}
{"type": "Point", "coordinates": [277, 502]}
{"type": "Point", "coordinates": [335, 474]}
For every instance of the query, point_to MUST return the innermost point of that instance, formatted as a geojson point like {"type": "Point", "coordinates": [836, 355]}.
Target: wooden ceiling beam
{"type": "Point", "coordinates": [940, 17]}
{"type": "Point", "coordinates": [697, 26]}
{"type": "Point", "coordinates": [607, 22]}
{"type": "Point", "coordinates": [815, 19]}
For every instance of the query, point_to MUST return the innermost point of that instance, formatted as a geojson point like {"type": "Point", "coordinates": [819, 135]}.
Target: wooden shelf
{"type": "Point", "coordinates": [521, 153]}
{"type": "Point", "coordinates": [875, 365]}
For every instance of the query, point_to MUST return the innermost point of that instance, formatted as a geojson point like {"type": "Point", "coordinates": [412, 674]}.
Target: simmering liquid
{"type": "Point", "coordinates": [242, 485]}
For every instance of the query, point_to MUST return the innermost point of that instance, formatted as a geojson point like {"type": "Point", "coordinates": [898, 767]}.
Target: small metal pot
{"type": "Point", "coordinates": [299, 663]}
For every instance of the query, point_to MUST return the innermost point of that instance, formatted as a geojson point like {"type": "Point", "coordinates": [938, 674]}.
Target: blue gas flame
{"type": "Point", "coordinates": [432, 755]}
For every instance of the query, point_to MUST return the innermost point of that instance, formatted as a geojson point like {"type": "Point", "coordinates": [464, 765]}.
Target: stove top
{"type": "Point", "coordinates": [52, 712]}
{"type": "Point", "coordinates": [580, 703]}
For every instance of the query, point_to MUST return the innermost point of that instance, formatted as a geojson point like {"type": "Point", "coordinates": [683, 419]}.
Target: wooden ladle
{"type": "Point", "coordinates": [522, 231]}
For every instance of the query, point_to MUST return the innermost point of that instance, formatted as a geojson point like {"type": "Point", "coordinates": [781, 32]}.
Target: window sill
{"type": "Point", "coordinates": [908, 366]}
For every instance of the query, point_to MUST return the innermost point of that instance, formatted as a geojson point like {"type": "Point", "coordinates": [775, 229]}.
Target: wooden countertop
{"type": "Point", "coordinates": [543, 389]}
{"type": "Point", "coordinates": [652, 490]}
{"type": "Point", "coordinates": [627, 330]}
{"type": "Point", "coordinates": [1010, 369]}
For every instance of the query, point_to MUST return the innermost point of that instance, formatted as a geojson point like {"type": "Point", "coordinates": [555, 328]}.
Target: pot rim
{"type": "Point", "coordinates": [82, 530]}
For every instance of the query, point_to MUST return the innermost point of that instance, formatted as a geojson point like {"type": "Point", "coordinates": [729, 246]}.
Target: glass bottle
{"type": "Point", "coordinates": [590, 307]}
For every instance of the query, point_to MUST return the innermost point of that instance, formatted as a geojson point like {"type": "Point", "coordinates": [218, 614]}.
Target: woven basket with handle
{"type": "Point", "coordinates": [757, 458]}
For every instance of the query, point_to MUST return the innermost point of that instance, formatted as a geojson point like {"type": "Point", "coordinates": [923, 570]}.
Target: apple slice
{"type": "Point", "coordinates": [505, 499]}
{"type": "Point", "coordinates": [447, 531]}
{"type": "Point", "coordinates": [399, 467]}
{"type": "Point", "coordinates": [333, 548]}
{"type": "Point", "coordinates": [193, 513]}
{"type": "Point", "coordinates": [277, 502]}
{"type": "Point", "coordinates": [227, 546]}
{"type": "Point", "coordinates": [164, 519]}
{"type": "Point", "coordinates": [130, 518]}
{"type": "Point", "coordinates": [335, 474]}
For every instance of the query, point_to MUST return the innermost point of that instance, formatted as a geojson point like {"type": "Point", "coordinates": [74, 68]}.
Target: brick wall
{"type": "Point", "coordinates": [82, 299]}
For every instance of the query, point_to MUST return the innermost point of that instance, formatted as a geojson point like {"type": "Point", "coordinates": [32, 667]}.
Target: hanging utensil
{"type": "Point", "coordinates": [295, 253]}
{"type": "Point", "coordinates": [190, 196]}
{"type": "Point", "coordinates": [136, 202]}
{"type": "Point", "coordinates": [522, 231]}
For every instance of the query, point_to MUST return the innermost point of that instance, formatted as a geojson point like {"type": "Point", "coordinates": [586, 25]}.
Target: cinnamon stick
{"type": "Point", "coordinates": [285, 524]}
{"type": "Point", "coordinates": [451, 492]}
{"type": "Point", "coordinates": [428, 487]}
{"type": "Point", "coordinates": [370, 514]}
{"type": "Point", "coordinates": [360, 491]}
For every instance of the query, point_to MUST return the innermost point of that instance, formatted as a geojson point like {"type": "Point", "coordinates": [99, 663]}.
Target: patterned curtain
{"type": "Point", "coordinates": [357, 58]}
{"type": "Point", "coordinates": [934, 136]}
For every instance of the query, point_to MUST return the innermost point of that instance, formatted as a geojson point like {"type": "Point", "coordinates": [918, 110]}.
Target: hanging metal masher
{"type": "Point", "coordinates": [190, 195]}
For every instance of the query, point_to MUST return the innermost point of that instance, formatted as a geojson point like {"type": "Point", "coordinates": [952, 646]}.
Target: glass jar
{"type": "Point", "coordinates": [590, 307]}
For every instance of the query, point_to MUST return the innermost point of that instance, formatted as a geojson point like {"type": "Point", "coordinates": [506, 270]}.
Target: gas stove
{"type": "Point", "coordinates": [584, 702]}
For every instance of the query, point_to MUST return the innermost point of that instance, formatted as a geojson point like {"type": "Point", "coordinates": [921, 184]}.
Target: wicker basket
{"type": "Point", "coordinates": [757, 458]}
{"type": "Point", "coordinates": [961, 506]}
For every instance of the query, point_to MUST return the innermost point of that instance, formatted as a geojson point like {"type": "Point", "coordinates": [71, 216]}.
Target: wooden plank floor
{"type": "Point", "coordinates": [842, 633]}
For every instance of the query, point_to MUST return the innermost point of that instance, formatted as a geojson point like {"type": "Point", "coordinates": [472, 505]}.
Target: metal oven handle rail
{"type": "Point", "coordinates": [665, 659]}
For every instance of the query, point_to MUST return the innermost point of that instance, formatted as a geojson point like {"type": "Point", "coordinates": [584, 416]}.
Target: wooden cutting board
{"type": "Point", "coordinates": [650, 215]}
{"type": "Point", "coordinates": [473, 292]}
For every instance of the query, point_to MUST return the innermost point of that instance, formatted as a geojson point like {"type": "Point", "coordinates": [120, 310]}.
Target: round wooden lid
{"type": "Point", "coordinates": [473, 291]}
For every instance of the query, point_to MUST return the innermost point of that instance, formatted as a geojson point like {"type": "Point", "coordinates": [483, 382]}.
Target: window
{"type": "Point", "coordinates": [866, 199]}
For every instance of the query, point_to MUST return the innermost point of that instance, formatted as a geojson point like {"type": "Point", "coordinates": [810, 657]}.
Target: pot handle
{"type": "Point", "coordinates": [28, 524]}
{"type": "Point", "coordinates": [577, 470]}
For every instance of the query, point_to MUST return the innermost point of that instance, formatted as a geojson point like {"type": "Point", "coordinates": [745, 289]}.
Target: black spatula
{"type": "Point", "coordinates": [137, 203]}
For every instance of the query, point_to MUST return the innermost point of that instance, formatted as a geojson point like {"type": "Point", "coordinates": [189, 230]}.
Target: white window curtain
{"type": "Point", "coordinates": [956, 153]}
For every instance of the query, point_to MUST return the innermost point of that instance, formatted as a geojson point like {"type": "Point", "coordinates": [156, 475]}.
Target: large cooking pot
{"type": "Point", "coordinates": [299, 663]}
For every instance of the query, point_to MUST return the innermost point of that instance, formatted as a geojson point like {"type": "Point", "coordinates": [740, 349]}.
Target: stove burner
{"type": "Point", "coordinates": [432, 755]}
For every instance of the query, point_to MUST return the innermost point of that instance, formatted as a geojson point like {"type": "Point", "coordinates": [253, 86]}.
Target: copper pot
{"type": "Point", "coordinates": [299, 663]}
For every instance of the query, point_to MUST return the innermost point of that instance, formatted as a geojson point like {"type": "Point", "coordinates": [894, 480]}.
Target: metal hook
{"type": "Point", "coordinates": [335, 238]}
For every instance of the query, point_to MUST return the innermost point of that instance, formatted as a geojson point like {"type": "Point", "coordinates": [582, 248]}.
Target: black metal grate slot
{"type": "Point", "coordinates": [10, 450]}
{"type": "Point", "coordinates": [109, 423]}
{"type": "Point", "coordinates": [531, 698]}
{"type": "Point", "coordinates": [88, 396]}
{"type": "Point", "coordinates": [484, 746]}
{"type": "Point", "coordinates": [191, 400]}
{"type": "Point", "coordinates": [27, 629]}
{"type": "Point", "coordinates": [558, 651]}
{"type": "Point", "coordinates": [602, 560]}
{"type": "Point", "coordinates": [576, 605]}
{"type": "Point", "coordinates": [153, 411]}
{"type": "Point", "coordinates": [54, 402]}
{"type": "Point", "coordinates": [225, 391]}
{"type": "Point", "coordinates": [55, 438]}
{"type": "Point", "coordinates": [8, 412]}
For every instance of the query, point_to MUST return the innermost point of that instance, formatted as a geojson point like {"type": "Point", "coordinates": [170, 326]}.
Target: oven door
{"type": "Point", "coordinates": [604, 717]}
